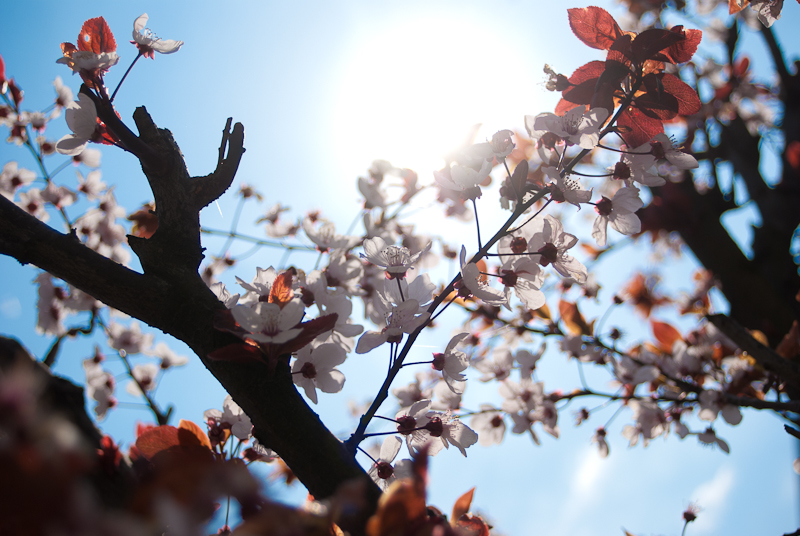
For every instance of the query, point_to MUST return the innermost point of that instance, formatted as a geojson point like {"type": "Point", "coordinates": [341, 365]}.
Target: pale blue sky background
{"type": "Point", "coordinates": [323, 88]}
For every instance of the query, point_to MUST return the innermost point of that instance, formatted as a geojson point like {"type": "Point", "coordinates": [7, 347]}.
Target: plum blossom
{"type": "Point", "coordinates": [489, 425]}
{"type": "Point", "coordinates": [81, 116]}
{"type": "Point", "coordinates": [524, 276]}
{"type": "Point", "coordinates": [269, 323]}
{"type": "Point", "coordinates": [325, 237]}
{"type": "Point", "coordinates": [709, 437]}
{"type": "Point", "coordinates": [168, 357]}
{"type": "Point", "coordinates": [131, 340]}
{"type": "Point", "coordinates": [464, 178]}
{"type": "Point", "coordinates": [663, 148]}
{"type": "Point", "coordinates": [619, 212]}
{"type": "Point", "coordinates": [550, 245]}
{"type": "Point", "coordinates": [233, 417]}
{"type": "Point", "coordinates": [382, 472]}
{"type": "Point", "coordinates": [395, 260]}
{"type": "Point", "coordinates": [400, 319]}
{"type": "Point", "coordinates": [13, 177]}
{"type": "Point", "coordinates": [422, 427]}
{"type": "Point", "coordinates": [636, 168]}
{"type": "Point", "coordinates": [712, 404]}
{"type": "Point", "coordinates": [577, 126]}
{"type": "Point", "coordinates": [599, 438]}
{"type": "Point", "coordinates": [147, 42]}
{"type": "Point", "coordinates": [564, 189]}
{"type": "Point", "coordinates": [144, 378]}
{"type": "Point", "coordinates": [315, 369]}
{"type": "Point", "coordinates": [472, 283]}
{"type": "Point", "coordinates": [451, 363]}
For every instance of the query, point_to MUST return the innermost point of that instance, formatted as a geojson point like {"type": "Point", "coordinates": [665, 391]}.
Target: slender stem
{"type": "Point", "coordinates": [383, 393]}
{"type": "Point", "coordinates": [477, 223]}
{"type": "Point", "coordinates": [124, 76]}
{"type": "Point", "coordinates": [254, 240]}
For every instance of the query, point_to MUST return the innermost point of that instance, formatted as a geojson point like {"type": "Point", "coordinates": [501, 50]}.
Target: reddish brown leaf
{"type": "Point", "coordinates": [683, 50]}
{"type": "Point", "coordinates": [573, 319]}
{"type": "Point", "coordinates": [582, 86]}
{"type": "Point", "coordinates": [311, 330]}
{"type": "Point", "coordinates": [191, 435]}
{"type": "Point", "coordinates": [594, 26]}
{"type": "Point", "coordinates": [735, 7]}
{"type": "Point", "coordinates": [157, 440]}
{"type": "Point", "coordinates": [637, 128]}
{"type": "Point", "coordinates": [461, 506]}
{"type": "Point", "coordinates": [606, 91]}
{"type": "Point", "coordinates": [281, 292]}
{"type": "Point", "coordinates": [658, 105]}
{"type": "Point", "coordinates": [96, 36]}
{"type": "Point", "coordinates": [650, 42]}
{"type": "Point", "coordinates": [688, 101]}
{"type": "Point", "coordinates": [468, 525]}
{"type": "Point", "coordinates": [2, 71]}
{"type": "Point", "coordinates": [665, 334]}
{"type": "Point", "coordinates": [145, 221]}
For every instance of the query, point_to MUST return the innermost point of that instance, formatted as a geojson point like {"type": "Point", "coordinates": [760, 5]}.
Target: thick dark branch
{"type": "Point", "coordinates": [785, 369]}
{"type": "Point", "coordinates": [172, 297]}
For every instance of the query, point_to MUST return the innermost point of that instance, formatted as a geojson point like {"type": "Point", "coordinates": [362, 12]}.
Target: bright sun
{"type": "Point", "coordinates": [413, 93]}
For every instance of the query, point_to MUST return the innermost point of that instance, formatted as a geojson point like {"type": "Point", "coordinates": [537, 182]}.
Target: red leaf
{"type": "Point", "coordinates": [156, 440]}
{"type": "Point", "coordinates": [573, 319]}
{"type": "Point", "coordinates": [665, 334]}
{"type": "Point", "coordinates": [735, 7]}
{"type": "Point", "coordinates": [637, 128]}
{"type": "Point", "coordinates": [683, 50]}
{"type": "Point", "coordinates": [2, 70]}
{"type": "Point", "coordinates": [608, 86]}
{"type": "Point", "coordinates": [461, 507]}
{"type": "Point", "coordinates": [650, 42]}
{"type": "Point", "coordinates": [191, 435]}
{"type": "Point", "coordinates": [688, 101]}
{"type": "Point", "coordinates": [582, 83]}
{"type": "Point", "coordinates": [661, 106]}
{"type": "Point", "coordinates": [96, 36]}
{"type": "Point", "coordinates": [594, 26]}
{"type": "Point", "coordinates": [281, 292]}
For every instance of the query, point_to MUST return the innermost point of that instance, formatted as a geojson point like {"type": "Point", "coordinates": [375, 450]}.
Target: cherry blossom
{"type": "Point", "coordinates": [619, 212]}
{"type": "Point", "coordinates": [464, 178]}
{"type": "Point", "coordinates": [489, 425]}
{"type": "Point", "coordinates": [382, 472]}
{"type": "Point", "coordinates": [663, 149]}
{"type": "Point", "coordinates": [231, 416]}
{"type": "Point", "coordinates": [81, 116]}
{"type": "Point", "coordinates": [395, 260]}
{"type": "Point", "coordinates": [578, 126]}
{"type": "Point", "coordinates": [400, 319]}
{"type": "Point", "coordinates": [144, 378]}
{"type": "Point", "coordinates": [472, 283]}
{"type": "Point", "coordinates": [147, 42]}
{"type": "Point", "coordinates": [13, 177]}
{"type": "Point", "coordinates": [325, 237]}
{"type": "Point", "coordinates": [315, 369]}
{"type": "Point", "coordinates": [524, 276]}
{"type": "Point", "coordinates": [564, 189]}
{"type": "Point", "coordinates": [452, 363]}
{"type": "Point", "coordinates": [131, 340]}
{"type": "Point", "coordinates": [636, 168]}
{"type": "Point", "coordinates": [269, 323]}
{"type": "Point", "coordinates": [549, 247]}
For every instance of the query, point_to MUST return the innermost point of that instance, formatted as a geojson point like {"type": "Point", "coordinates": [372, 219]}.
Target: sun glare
{"type": "Point", "coordinates": [415, 92]}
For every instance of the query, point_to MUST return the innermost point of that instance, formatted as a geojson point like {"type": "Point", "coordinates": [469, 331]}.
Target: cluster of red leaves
{"type": "Point", "coordinates": [632, 76]}
{"type": "Point", "coordinates": [403, 511]}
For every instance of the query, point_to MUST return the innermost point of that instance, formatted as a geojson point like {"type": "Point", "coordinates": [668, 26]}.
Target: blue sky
{"type": "Point", "coordinates": [323, 88]}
